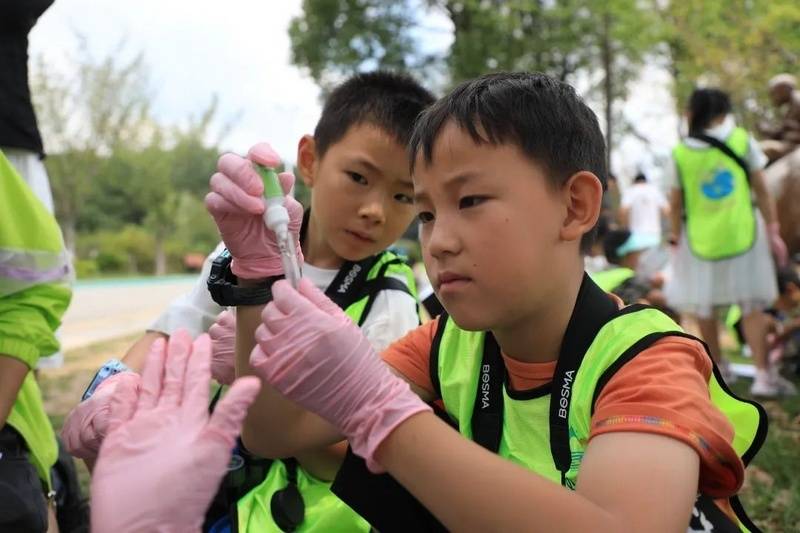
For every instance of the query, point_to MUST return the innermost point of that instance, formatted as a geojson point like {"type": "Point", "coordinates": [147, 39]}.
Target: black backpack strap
{"type": "Point", "coordinates": [725, 149]}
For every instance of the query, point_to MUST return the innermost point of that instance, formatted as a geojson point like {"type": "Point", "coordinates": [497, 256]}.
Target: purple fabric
{"type": "Point", "coordinates": [37, 276]}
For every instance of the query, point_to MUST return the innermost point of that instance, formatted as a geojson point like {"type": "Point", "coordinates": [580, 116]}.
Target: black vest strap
{"type": "Point", "coordinates": [433, 360]}
{"type": "Point", "coordinates": [593, 309]}
{"type": "Point", "coordinates": [374, 287]}
{"type": "Point", "coordinates": [487, 414]}
{"type": "Point", "coordinates": [350, 283]}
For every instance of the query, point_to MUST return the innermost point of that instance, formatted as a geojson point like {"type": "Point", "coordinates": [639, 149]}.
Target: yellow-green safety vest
{"type": "Point", "coordinates": [460, 360]}
{"type": "Point", "coordinates": [33, 263]}
{"type": "Point", "coordinates": [610, 279]}
{"type": "Point", "coordinates": [323, 510]}
{"type": "Point", "coordinates": [720, 221]}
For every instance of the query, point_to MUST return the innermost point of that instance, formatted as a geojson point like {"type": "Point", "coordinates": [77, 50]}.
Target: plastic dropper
{"type": "Point", "coordinates": [276, 218]}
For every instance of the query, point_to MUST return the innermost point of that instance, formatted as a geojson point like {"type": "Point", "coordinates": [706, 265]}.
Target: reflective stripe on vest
{"type": "Point", "coordinates": [610, 279]}
{"type": "Point", "coordinates": [526, 420]}
{"type": "Point", "coordinates": [323, 510]}
{"type": "Point", "coordinates": [720, 221]}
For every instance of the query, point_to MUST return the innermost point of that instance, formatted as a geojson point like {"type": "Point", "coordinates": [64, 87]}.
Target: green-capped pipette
{"type": "Point", "coordinates": [276, 218]}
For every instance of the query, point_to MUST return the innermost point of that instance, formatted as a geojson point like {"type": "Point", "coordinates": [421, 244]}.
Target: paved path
{"type": "Point", "coordinates": [107, 309]}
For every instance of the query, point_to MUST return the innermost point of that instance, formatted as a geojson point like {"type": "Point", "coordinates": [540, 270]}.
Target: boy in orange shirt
{"type": "Point", "coordinates": [587, 416]}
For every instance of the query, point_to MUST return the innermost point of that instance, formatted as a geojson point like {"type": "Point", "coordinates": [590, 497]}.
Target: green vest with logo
{"type": "Point", "coordinates": [323, 510]}
{"type": "Point", "coordinates": [610, 279]}
{"type": "Point", "coordinates": [720, 221]}
{"type": "Point", "coordinates": [551, 439]}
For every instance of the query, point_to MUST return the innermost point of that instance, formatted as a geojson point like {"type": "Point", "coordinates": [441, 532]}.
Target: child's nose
{"type": "Point", "coordinates": [374, 211]}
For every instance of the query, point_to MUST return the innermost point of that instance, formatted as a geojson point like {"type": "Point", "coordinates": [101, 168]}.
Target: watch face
{"type": "Point", "coordinates": [106, 371]}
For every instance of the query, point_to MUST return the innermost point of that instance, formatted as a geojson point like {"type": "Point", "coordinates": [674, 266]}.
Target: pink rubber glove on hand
{"type": "Point", "coordinates": [87, 424]}
{"type": "Point", "coordinates": [776, 244]}
{"type": "Point", "coordinates": [312, 353]}
{"type": "Point", "coordinates": [236, 202]}
{"type": "Point", "coordinates": [163, 459]}
{"type": "Point", "coordinates": [223, 348]}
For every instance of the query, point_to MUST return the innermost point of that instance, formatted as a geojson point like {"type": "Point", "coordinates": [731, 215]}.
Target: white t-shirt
{"type": "Point", "coordinates": [645, 203]}
{"type": "Point", "coordinates": [393, 314]}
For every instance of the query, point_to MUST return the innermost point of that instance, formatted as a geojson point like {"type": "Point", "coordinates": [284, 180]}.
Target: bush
{"type": "Point", "coordinates": [86, 268]}
{"type": "Point", "coordinates": [110, 261]}
{"type": "Point", "coordinates": [131, 250]}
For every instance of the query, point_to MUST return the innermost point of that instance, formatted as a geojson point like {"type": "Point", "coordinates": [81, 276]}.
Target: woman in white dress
{"type": "Point", "coordinates": [724, 226]}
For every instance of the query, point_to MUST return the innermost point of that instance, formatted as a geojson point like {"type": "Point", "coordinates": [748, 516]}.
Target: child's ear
{"type": "Point", "coordinates": [307, 159]}
{"type": "Point", "coordinates": [582, 196]}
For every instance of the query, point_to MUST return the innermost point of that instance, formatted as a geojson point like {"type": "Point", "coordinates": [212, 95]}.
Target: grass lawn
{"type": "Point", "coordinates": [771, 493]}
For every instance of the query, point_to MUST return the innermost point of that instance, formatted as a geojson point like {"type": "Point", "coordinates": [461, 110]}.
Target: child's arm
{"type": "Point", "coordinates": [469, 488]}
{"type": "Point", "coordinates": [624, 476]}
{"type": "Point", "coordinates": [675, 214]}
{"type": "Point", "coordinates": [275, 426]}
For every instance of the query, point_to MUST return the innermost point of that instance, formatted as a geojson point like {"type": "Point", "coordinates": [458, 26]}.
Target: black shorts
{"type": "Point", "coordinates": [23, 507]}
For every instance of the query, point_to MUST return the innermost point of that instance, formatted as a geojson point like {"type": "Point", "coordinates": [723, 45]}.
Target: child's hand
{"type": "Point", "coordinates": [223, 340]}
{"type": "Point", "coordinates": [87, 424]}
{"type": "Point", "coordinates": [236, 202]}
{"type": "Point", "coordinates": [163, 458]}
{"type": "Point", "coordinates": [313, 354]}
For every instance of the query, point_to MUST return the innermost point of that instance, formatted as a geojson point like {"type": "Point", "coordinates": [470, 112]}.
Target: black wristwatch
{"type": "Point", "coordinates": [222, 284]}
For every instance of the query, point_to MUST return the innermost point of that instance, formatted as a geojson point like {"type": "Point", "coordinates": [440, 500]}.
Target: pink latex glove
{"type": "Point", "coordinates": [223, 348]}
{"type": "Point", "coordinates": [312, 353]}
{"type": "Point", "coordinates": [236, 202]}
{"type": "Point", "coordinates": [163, 459]}
{"type": "Point", "coordinates": [87, 424]}
{"type": "Point", "coordinates": [776, 244]}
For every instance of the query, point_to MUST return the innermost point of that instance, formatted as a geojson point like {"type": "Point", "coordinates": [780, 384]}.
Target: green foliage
{"type": "Point", "coordinates": [86, 268]}
{"type": "Point", "coordinates": [734, 44]}
{"type": "Point", "coordinates": [117, 174]}
{"type": "Point", "coordinates": [128, 250]}
{"type": "Point", "coordinates": [335, 38]}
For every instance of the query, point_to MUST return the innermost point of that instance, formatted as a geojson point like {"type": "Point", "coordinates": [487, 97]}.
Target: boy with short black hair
{"type": "Point", "coordinates": [605, 419]}
{"type": "Point", "coordinates": [361, 202]}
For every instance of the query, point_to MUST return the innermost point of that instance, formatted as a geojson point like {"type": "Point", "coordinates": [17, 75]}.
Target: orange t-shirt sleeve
{"type": "Point", "coordinates": [410, 355]}
{"type": "Point", "coordinates": [664, 390]}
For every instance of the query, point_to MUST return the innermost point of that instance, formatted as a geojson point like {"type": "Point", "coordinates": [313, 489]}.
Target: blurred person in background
{"type": "Point", "coordinates": [34, 293]}
{"type": "Point", "coordinates": [722, 250]}
{"type": "Point", "coordinates": [643, 204]}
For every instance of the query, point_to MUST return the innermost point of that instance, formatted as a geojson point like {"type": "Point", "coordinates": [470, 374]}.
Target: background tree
{"type": "Point", "coordinates": [83, 116]}
{"type": "Point", "coordinates": [116, 170]}
{"type": "Point", "coordinates": [733, 44]}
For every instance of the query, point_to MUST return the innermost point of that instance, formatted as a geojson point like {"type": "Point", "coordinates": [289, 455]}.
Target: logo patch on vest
{"type": "Point", "coordinates": [566, 390]}
{"type": "Point", "coordinates": [348, 279]}
{"type": "Point", "coordinates": [719, 186]}
{"type": "Point", "coordinates": [485, 386]}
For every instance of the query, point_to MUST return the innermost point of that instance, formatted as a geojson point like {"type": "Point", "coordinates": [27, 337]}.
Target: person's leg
{"type": "Point", "coordinates": [709, 331]}
{"type": "Point", "coordinates": [755, 326]}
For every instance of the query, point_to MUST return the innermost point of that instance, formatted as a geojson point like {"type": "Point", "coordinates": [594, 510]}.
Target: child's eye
{"type": "Point", "coordinates": [470, 201]}
{"type": "Point", "coordinates": [403, 198]}
{"type": "Point", "coordinates": [425, 216]}
{"type": "Point", "coordinates": [358, 178]}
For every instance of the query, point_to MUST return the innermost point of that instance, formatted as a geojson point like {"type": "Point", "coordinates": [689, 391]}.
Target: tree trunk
{"type": "Point", "coordinates": [68, 231]}
{"type": "Point", "coordinates": [608, 84]}
{"type": "Point", "coordinates": [161, 256]}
